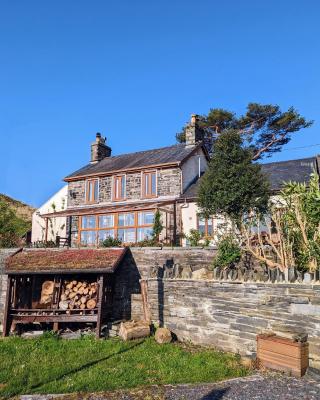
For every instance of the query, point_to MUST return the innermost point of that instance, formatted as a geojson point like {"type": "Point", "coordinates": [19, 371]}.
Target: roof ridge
{"type": "Point", "coordinates": [286, 161]}
{"type": "Point", "coordinates": [144, 151]}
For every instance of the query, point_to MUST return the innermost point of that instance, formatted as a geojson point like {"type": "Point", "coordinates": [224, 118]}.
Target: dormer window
{"type": "Point", "coordinates": [119, 188]}
{"type": "Point", "coordinates": [149, 184]}
{"type": "Point", "coordinates": [92, 191]}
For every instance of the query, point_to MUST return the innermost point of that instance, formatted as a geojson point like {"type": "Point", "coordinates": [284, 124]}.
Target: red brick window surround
{"type": "Point", "coordinates": [92, 191]}
{"type": "Point", "coordinates": [119, 187]}
{"type": "Point", "coordinates": [149, 184]}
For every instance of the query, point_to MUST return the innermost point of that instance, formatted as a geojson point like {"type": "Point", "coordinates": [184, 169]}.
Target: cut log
{"type": "Point", "coordinates": [45, 299]}
{"type": "Point", "coordinates": [91, 304]}
{"type": "Point", "coordinates": [47, 288]}
{"type": "Point", "coordinates": [83, 300]}
{"type": "Point", "coordinates": [134, 330]}
{"type": "Point", "coordinates": [64, 304]}
{"type": "Point", "coordinates": [82, 306]}
{"type": "Point", "coordinates": [163, 335]}
{"type": "Point", "coordinates": [63, 297]}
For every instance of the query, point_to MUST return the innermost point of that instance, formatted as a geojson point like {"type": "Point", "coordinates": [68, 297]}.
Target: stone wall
{"type": "Point", "coordinates": [168, 184]}
{"type": "Point", "coordinates": [196, 258]}
{"type": "Point", "coordinates": [4, 253]}
{"type": "Point", "coordinates": [229, 315]}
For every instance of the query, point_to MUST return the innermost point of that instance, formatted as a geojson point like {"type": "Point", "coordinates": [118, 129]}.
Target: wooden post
{"type": "Point", "coordinates": [46, 231]}
{"type": "Point", "coordinates": [6, 317]}
{"type": "Point", "coordinates": [145, 303]}
{"type": "Point", "coordinates": [174, 224]}
{"type": "Point", "coordinates": [100, 304]}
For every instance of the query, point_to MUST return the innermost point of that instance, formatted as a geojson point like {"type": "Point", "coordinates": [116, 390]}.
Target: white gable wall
{"type": "Point", "coordinates": [190, 168]}
{"type": "Point", "coordinates": [56, 225]}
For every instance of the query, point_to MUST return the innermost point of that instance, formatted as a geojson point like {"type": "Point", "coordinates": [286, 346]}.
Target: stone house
{"type": "Point", "coordinates": [118, 196]}
{"type": "Point", "coordinates": [278, 174]}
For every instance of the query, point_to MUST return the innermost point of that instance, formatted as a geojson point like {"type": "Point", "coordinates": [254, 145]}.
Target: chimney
{"type": "Point", "coordinates": [194, 134]}
{"type": "Point", "coordinates": [99, 149]}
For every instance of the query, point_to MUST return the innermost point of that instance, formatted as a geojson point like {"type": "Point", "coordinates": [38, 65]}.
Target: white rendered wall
{"type": "Point", "coordinates": [189, 219]}
{"type": "Point", "coordinates": [56, 225]}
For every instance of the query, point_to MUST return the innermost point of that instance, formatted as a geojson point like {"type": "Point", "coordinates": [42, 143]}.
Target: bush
{"type": "Point", "coordinates": [229, 252]}
{"type": "Point", "coordinates": [194, 237]}
{"type": "Point", "coordinates": [111, 242]}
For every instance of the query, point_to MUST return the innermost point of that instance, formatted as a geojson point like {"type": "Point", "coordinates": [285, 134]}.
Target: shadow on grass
{"type": "Point", "coordinates": [81, 368]}
{"type": "Point", "coordinates": [216, 394]}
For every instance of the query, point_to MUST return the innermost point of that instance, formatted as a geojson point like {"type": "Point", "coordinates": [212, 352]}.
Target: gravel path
{"type": "Point", "coordinates": [256, 387]}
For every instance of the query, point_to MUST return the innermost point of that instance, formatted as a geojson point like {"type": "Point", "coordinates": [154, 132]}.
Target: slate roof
{"type": "Point", "coordinates": [277, 172]}
{"type": "Point", "coordinates": [291, 170]}
{"type": "Point", "coordinates": [51, 261]}
{"type": "Point", "coordinates": [165, 155]}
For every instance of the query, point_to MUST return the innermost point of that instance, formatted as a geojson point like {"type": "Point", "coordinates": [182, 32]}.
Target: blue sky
{"type": "Point", "coordinates": [136, 70]}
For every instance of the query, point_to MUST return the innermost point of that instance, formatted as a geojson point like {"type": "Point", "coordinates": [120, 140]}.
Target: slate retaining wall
{"type": "Point", "coordinates": [229, 315]}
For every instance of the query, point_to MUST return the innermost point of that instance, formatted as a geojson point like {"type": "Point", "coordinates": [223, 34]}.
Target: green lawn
{"type": "Point", "coordinates": [50, 365]}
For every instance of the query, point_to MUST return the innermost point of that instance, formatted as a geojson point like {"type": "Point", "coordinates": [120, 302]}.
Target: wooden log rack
{"type": "Point", "coordinates": [23, 300]}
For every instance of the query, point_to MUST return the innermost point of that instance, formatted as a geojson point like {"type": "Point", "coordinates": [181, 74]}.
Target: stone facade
{"type": "Point", "coordinates": [229, 316]}
{"type": "Point", "coordinates": [168, 184]}
{"type": "Point", "coordinates": [105, 189]}
{"type": "Point", "coordinates": [76, 193]}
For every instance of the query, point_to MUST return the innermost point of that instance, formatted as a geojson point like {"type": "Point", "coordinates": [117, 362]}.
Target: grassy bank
{"type": "Point", "coordinates": [50, 365]}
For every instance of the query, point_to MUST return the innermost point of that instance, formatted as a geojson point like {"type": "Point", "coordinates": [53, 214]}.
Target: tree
{"type": "Point", "coordinates": [290, 235]}
{"type": "Point", "coordinates": [264, 127]}
{"type": "Point", "coordinates": [11, 226]}
{"type": "Point", "coordinates": [232, 185]}
{"type": "Point", "coordinates": [157, 226]}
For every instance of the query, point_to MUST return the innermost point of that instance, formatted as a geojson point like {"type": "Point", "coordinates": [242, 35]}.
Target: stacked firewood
{"type": "Point", "coordinates": [78, 295]}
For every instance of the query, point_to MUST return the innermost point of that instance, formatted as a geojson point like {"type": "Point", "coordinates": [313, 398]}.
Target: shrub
{"type": "Point", "coordinates": [194, 237]}
{"type": "Point", "coordinates": [229, 252]}
{"type": "Point", "coordinates": [111, 242]}
{"type": "Point", "coordinates": [157, 226]}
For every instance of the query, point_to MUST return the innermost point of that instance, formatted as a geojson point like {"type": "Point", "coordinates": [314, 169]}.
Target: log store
{"type": "Point", "coordinates": [60, 287]}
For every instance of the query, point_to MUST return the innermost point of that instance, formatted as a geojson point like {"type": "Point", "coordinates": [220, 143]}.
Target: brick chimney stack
{"type": "Point", "coordinates": [99, 149]}
{"type": "Point", "coordinates": [194, 135]}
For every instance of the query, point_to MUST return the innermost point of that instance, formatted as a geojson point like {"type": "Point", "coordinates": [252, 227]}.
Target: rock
{"type": "Point", "coordinates": [163, 335]}
{"type": "Point", "coordinates": [177, 270]}
{"type": "Point", "coordinates": [186, 272]}
{"type": "Point", "coordinates": [201, 273]}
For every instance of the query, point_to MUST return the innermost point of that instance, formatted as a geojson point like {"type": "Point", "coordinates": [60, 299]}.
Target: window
{"type": "Point", "coordinates": [92, 191]}
{"type": "Point", "coordinates": [88, 222]}
{"type": "Point", "coordinates": [149, 184]}
{"type": "Point", "coordinates": [119, 189]}
{"type": "Point", "coordinates": [130, 227]}
{"type": "Point", "coordinates": [205, 226]}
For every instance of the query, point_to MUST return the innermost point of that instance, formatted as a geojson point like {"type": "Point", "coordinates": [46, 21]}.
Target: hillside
{"type": "Point", "coordinates": [22, 210]}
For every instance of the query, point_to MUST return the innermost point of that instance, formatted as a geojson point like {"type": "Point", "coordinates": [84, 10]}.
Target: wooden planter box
{"type": "Point", "coordinates": [282, 354]}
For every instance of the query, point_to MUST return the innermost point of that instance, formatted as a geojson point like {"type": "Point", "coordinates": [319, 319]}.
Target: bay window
{"type": "Point", "coordinates": [129, 227]}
